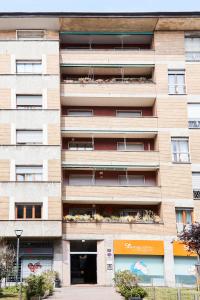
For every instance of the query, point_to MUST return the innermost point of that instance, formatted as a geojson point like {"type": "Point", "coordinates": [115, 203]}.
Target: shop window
{"type": "Point", "coordinates": [28, 211]}
{"type": "Point", "coordinates": [77, 146]}
{"type": "Point", "coordinates": [128, 113]}
{"type": "Point", "coordinates": [29, 66]}
{"type": "Point", "coordinates": [180, 150]}
{"type": "Point", "coordinates": [25, 137]}
{"type": "Point", "coordinates": [176, 82]}
{"type": "Point", "coordinates": [29, 101]}
{"type": "Point", "coordinates": [80, 112]}
{"type": "Point", "coordinates": [185, 273]}
{"type": "Point", "coordinates": [29, 173]}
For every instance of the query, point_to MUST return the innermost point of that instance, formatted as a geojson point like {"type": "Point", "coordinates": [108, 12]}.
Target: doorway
{"type": "Point", "coordinates": [83, 256]}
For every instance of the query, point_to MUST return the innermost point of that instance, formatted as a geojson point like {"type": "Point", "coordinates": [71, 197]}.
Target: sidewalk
{"type": "Point", "coordinates": [86, 293]}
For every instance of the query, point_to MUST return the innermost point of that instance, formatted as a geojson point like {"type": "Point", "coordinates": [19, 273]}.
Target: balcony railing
{"type": "Point", "coordinates": [196, 194]}
{"type": "Point", "coordinates": [148, 217]}
{"type": "Point", "coordinates": [112, 80]}
{"type": "Point", "coordinates": [192, 55]}
{"type": "Point", "coordinates": [194, 124]}
{"type": "Point", "coordinates": [183, 157]}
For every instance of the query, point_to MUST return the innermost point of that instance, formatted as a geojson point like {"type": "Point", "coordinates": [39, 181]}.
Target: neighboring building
{"type": "Point", "coordinates": [100, 142]}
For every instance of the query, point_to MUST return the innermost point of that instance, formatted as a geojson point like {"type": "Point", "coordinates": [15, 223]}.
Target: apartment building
{"type": "Point", "coordinates": [100, 143]}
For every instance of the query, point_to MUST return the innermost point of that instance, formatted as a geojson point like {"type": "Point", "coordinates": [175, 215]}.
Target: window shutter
{"type": "Point", "coordinates": [29, 136]}
{"type": "Point", "coordinates": [194, 111]}
{"type": "Point", "coordinates": [196, 180]}
{"type": "Point", "coordinates": [29, 100]}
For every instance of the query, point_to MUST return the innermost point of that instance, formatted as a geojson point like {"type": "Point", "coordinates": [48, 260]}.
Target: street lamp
{"type": "Point", "coordinates": [18, 233]}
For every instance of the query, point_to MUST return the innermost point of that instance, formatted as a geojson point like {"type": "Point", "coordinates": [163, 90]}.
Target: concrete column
{"type": "Point", "coordinates": [101, 263]}
{"type": "Point", "coordinates": [58, 257]}
{"type": "Point", "coordinates": [110, 263]}
{"type": "Point", "coordinates": [169, 263]}
{"type": "Point", "coordinates": [66, 280]}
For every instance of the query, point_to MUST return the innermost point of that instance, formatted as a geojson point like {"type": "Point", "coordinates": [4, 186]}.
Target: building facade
{"type": "Point", "coordinates": [100, 143]}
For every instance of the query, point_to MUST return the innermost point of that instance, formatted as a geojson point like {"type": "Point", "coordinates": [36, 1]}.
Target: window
{"type": "Point", "coordinates": [194, 115]}
{"type": "Point", "coordinates": [79, 113]}
{"type": "Point", "coordinates": [128, 113]}
{"type": "Point", "coordinates": [130, 146]}
{"type": "Point", "coordinates": [29, 137]}
{"type": "Point", "coordinates": [28, 211]}
{"type": "Point", "coordinates": [131, 212]}
{"type": "Point", "coordinates": [180, 150]}
{"type": "Point", "coordinates": [176, 82]}
{"type": "Point", "coordinates": [192, 48]}
{"type": "Point", "coordinates": [29, 66]}
{"type": "Point", "coordinates": [29, 101]}
{"type": "Point", "coordinates": [184, 215]}
{"type": "Point", "coordinates": [29, 173]}
{"type": "Point", "coordinates": [196, 184]}
{"type": "Point", "coordinates": [79, 179]}
{"type": "Point", "coordinates": [136, 180]}
{"type": "Point", "coordinates": [77, 146]}
{"type": "Point", "coordinates": [30, 34]}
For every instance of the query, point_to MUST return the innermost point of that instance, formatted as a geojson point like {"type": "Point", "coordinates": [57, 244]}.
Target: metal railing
{"type": "Point", "coordinates": [192, 55]}
{"type": "Point", "coordinates": [196, 194]}
{"type": "Point", "coordinates": [194, 123]}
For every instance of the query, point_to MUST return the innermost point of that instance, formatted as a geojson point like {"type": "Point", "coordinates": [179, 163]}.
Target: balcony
{"type": "Point", "coordinates": [108, 79]}
{"type": "Point", "coordinates": [194, 124]}
{"type": "Point", "coordinates": [108, 124]}
{"type": "Point", "coordinates": [42, 228]}
{"type": "Point", "coordinates": [112, 194]}
{"type": "Point", "coordinates": [111, 228]}
{"type": "Point", "coordinates": [110, 157]}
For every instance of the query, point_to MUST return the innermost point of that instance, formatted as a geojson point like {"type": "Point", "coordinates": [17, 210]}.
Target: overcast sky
{"type": "Point", "coordinates": [99, 5]}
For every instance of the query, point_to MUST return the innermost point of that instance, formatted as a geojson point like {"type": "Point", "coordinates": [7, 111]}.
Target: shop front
{"type": "Point", "coordinates": [143, 258]}
{"type": "Point", "coordinates": [184, 265]}
{"type": "Point", "coordinates": [35, 257]}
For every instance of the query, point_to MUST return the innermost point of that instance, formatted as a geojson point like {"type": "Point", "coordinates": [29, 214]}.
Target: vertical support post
{"type": "Point", "coordinates": [17, 261]}
{"type": "Point", "coordinates": [93, 177]}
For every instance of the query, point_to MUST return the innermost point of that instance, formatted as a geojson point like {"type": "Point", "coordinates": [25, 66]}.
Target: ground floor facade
{"type": "Point", "coordinates": [94, 260]}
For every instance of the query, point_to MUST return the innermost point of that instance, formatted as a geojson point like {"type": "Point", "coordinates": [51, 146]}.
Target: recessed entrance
{"type": "Point", "coordinates": [83, 256]}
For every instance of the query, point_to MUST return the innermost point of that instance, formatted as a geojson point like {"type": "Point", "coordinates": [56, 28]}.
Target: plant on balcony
{"type": "Point", "coordinates": [98, 218]}
{"type": "Point", "coordinates": [147, 217]}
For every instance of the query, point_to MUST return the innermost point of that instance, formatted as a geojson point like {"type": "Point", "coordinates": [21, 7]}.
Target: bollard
{"type": "Point", "coordinates": [179, 294]}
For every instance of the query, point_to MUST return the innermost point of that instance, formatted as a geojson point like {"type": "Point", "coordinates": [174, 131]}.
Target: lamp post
{"type": "Point", "coordinates": [18, 233]}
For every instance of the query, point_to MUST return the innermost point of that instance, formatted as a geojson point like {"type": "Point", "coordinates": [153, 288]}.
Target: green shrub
{"type": "Point", "coordinates": [135, 291]}
{"type": "Point", "coordinates": [35, 286]}
{"type": "Point", "coordinates": [125, 278]}
{"type": "Point", "coordinates": [49, 278]}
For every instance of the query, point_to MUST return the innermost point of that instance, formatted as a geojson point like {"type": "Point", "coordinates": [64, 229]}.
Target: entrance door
{"type": "Point", "coordinates": [83, 255]}
{"type": "Point", "coordinates": [83, 269]}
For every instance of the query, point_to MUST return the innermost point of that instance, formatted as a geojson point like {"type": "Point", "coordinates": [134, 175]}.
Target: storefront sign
{"type": "Point", "coordinates": [138, 247]}
{"type": "Point", "coordinates": [35, 266]}
{"type": "Point", "coordinates": [180, 249]}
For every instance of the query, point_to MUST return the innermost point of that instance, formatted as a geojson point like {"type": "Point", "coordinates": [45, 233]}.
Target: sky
{"type": "Point", "coordinates": [98, 5]}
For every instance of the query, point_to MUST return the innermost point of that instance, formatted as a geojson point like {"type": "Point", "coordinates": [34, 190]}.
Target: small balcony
{"type": "Point", "coordinates": [194, 124]}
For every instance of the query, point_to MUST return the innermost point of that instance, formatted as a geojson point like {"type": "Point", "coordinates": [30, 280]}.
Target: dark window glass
{"type": "Point", "coordinates": [83, 246]}
{"type": "Point", "coordinates": [20, 212]}
{"type": "Point", "coordinates": [38, 211]}
{"type": "Point", "coordinates": [29, 213]}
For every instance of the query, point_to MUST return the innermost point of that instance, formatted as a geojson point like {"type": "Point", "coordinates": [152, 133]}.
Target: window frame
{"type": "Point", "coordinates": [92, 148]}
{"type": "Point", "coordinates": [25, 205]}
{"type": "Point", "coordinates": [29, 62]}
{"type": "Point", "coordinates": [27, 175]}
{"type": "Point", "coordinates": [80, 110]}
{"type": "Point", "coordinates": [128, 180]}
{"type": "Point", "coordinates": [184, 215]}
{"type": "Point", "coordinates": [125, 146]}
{"type": "Point", "coordinates": [31, 107]}
{"type": "Point", "coordinates": [175, 73]}
{"type": "Point", "coordinates": [29, 130]}
{"type": "Point", "coordinates": [179, 153]}
{"type": "Point", "coordinates": [30, 38]}
{"type": "Point", "coordinates": [129, 111]}
{"type": "Point", "coordinates": [76, 211]}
